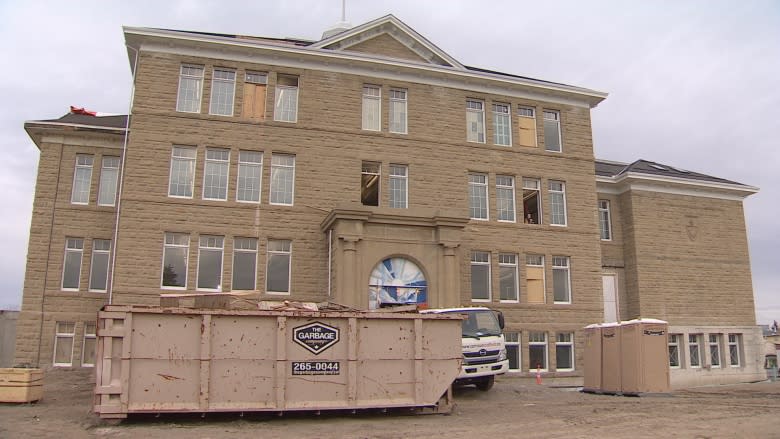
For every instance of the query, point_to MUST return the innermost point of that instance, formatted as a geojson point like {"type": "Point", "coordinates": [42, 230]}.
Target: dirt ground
{"type": "Point", "coordinates": [513, 408]}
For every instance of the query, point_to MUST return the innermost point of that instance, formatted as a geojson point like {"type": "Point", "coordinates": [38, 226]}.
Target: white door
{"type": "Point", "coordinates": [610, 298]}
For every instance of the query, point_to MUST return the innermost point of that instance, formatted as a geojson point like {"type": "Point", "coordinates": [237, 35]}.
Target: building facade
{"type": "Point", "coordinates": [371, 168]}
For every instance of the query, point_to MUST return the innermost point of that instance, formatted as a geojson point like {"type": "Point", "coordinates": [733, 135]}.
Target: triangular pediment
{"type": "Point", "coordinates": [388, 37]}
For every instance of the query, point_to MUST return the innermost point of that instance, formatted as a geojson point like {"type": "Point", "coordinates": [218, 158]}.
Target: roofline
{"type": "Point", "coordinates": [34, 123]}
{"type": "Point", "coordinates": [738, 187]}
{"type": "Point", "coordinates": [594, 97]}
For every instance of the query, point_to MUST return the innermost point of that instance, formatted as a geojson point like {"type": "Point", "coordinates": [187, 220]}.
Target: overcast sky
{"type": "Point", "coordinates": [693, 84]}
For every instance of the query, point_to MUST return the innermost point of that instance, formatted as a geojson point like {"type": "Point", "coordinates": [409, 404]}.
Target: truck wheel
{"type": "Point", "coordinates": [486, 383]}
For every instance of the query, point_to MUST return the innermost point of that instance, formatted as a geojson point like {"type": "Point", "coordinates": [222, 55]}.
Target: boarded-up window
{"type": "Point", "coordinates": [534, 273]}
{"type": "Point", "coordinates": [254, 96]}
{"type": "Point", "coordinates": [526, 122]}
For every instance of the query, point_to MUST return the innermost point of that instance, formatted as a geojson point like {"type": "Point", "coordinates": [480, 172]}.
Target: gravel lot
{"type": "Point", "coordinates": [513, 408]}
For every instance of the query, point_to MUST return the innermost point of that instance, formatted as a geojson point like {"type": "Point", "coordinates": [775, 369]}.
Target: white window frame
{"type": "Point", "coordinates": [734, 343]}
{"type": "Point", "coordinates": [276, 167]}
{"type": "Point", "coordinates": [477, 260]}
{"type": "Point", "coordinates": [555, 117]}
{"type": "Point", "coordinates": [533, 342]}
{"type": "Point", "coordinates": [106, 252]}
{"type": "Point", "coordinates": [189, 159]}
{"type": "Point", "coordinates": [502, 112]}
{"type": "Point", "coordinates": [210, 244]}
{"type": "Point", "coordinates": [73, 246]}
{"type": "Point", "coordinates": [215, 101]}
{"type": "Point", "coordinates": [505, 185]}
{"type": "Point", "coordinates": [564, 339]}
{"type": "Point", "coordinates": [244, 250]}
{"type": "Point", "coordinates": [399, 175]}
{"type": "Point", "coordinates": [88, 336]}
{"type": "Point", "coordinates": [244, 164]}
{"type": "Point", "coordinates": [109, 176]}
{"type": "Point", "coordinates": [372, 106]}
{"type": "Point", "coordinates": [605, 221]}
{"type": "Point", "coordinates": [509, 261]}
{"type": "Point", "coordinates": [475, 185]}
{"type": "Point", "coordinates": [714, 340]}
{"type": "Point", "coordinates": [475, 109]}
{"type": "Point", "coordinates": [533, 184]}
{"type": "Point", "coordinates": [285, 95]}
{"type": "Point", "coordinates": [398, 98]}
{"type": "Point", "coordinates": [271, 252]}
{"type": "Point", "coordinates": [674, 342]}
{"type": "Point", "coordinates": [174, 245]}
{"type": "Point", "coordinates": [557, 196]}
{"type": "Point", "coordinates": [217, 159]}
{"type": "Point", "coordinates": [695, 342]}
{"type": "Point", "coordinates": [557, 265]}
{"type": "Point", "coordinates": [61, 335]}
{"type": "Point", "coordinates": [513, 339]}
{"type": "Point", "coordinates": [371, 171]}
{"type": "Point", "coordinates": [82, 179]}
{"type": "Point", "coordinates": [189, 76]}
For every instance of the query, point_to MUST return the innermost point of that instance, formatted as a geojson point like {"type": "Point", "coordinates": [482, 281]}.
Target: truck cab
{"type": "Point", "coordinates": [484, 349]}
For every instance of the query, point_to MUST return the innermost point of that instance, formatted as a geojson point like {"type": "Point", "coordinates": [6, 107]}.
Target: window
{"type": "Point", "coordinates": [505, 197]}
{"type": "Point", "coordinates": [557, 203]}
{"type": "Point", "coordinates": [674, 350]}
{"type": "Point", "coordinates": [475, 121]}
{"type": "Point", "coordinates": [478, 197]}
{"type": "Point", "coordinates": [182, 172]}
{"type": "Point", "coordinates": [89, 346]}
{"type": "Point", "coordinates": [254, 96]}
{"type": "Point", "coordinates": [537, 351]}
{"type": "Point", "coordinates": [507, 273]}
{"type": "Point", "coordinates": [282, 179]}
{"type": "Point", "coordinates": [734, 342]}
{"type": "Point", "coordinates": [286, 100]}
{"type": "Point", "coordinates": [502, 126]}
{"type": "Point", "coordinates": [694, 349]}
{"type": "Point", "coordinates": [372, 104]}
{"type": "Point", "coordinates": [532, 201]}
{"type": "Point", "coordinates": [480, 276]}
{"type": "Point", "coordinates": [398, 111]}
{"type": "Point", "coordinates": [244, 263]}
{"type": "Point", "coordinates": [71, 269]}
{"type": "Point", "coordinates": [223, 89]}
{"type": "Point", "coordinates": [64, 333]}
{"type": "Point", "coordinates": [513, 350]}
{"type": "Point", "coordinates": [370, 173]}
{"type": "Point", "coordinates": [534, 278]}
{"type": "Point", "coordinates": [210, 263]}
{"type": "Point", "coordinates": [399, 186]}
{"type": "Point", "coordinates": [215, 174]}
{"type": "Point", "coordinates": [175, 254]}
{"type": "Point", "coordinates": [190, 85]}
{"type": "Point", "coordinates": [527, 126]}
{"type": "Point", "coordinates": [98, 276]}
{"type": "Point", "coordinates": [564, 351]}
{"type": "Point", "coordinates": [250, 169]}
{"type": "Point", "coordinates": [82, 179]}
{"type": "Point", "coordinates": [605, 224]}
{"type": "Point", "coordinates": [109, 174]}
{"type": "Point", "coordinates": [561, 280]}
{"type": "Point", "coordinates": [279, 267]}
{"type": "Point", "coordinates": [714, 350]}
{"type": "Point", "coordinates": [552, 131]}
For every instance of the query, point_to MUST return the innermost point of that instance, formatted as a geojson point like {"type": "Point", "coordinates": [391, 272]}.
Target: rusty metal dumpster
{"type": "Point", "coordinates": [155, 360]}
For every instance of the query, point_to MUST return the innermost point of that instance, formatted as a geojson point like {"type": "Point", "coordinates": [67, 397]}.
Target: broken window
{"type": "Point", "coordinates": [532, 201]}
{"type": "Point", "coordinates": [286, 99]}
{"type": "Point", "coordinates": [369, 183]}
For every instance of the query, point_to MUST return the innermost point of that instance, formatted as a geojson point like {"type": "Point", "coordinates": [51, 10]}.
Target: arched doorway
{"type": "Point", "coordinates": [396, 281]}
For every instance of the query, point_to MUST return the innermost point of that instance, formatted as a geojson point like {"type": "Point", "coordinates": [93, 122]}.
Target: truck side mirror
{"type": "Point", "coordinates": [500, 317]}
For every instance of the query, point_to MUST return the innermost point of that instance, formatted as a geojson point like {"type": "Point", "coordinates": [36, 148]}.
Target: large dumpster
{"type": "Point", "coordinates": [592, 357]}
{"type": "Point", "coordinates": [156, 360]}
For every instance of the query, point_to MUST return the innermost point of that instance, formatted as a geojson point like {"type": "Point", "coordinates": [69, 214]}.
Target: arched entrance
{"type": "Point", "coordinates": [396, 281]}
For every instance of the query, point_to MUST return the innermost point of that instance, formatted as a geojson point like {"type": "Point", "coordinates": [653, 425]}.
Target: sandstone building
{"type": "Point", "coordinates": [371, 167]}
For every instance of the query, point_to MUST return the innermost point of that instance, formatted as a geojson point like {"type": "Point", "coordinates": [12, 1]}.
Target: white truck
{"type": "Point", "coordinates": [484, 349]}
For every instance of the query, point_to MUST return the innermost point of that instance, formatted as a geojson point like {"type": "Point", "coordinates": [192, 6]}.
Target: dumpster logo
{"type": "Point", "coordinates": [316, 337]}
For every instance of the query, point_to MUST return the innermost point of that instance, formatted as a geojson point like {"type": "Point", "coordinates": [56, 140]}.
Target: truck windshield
{"type": "Point", "coordinates": [480, 324]}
